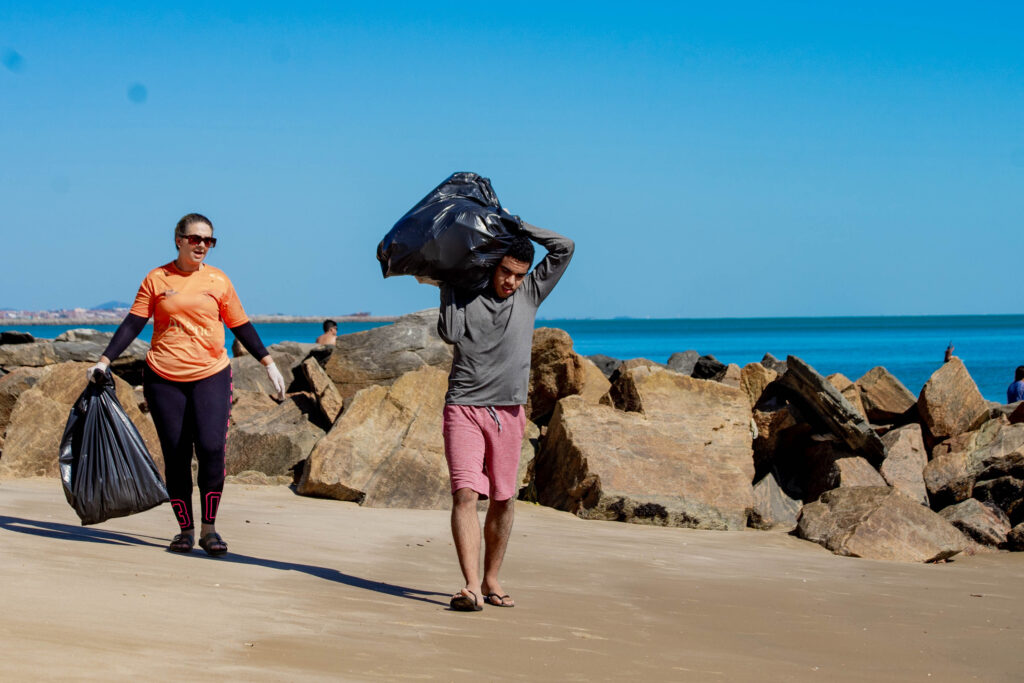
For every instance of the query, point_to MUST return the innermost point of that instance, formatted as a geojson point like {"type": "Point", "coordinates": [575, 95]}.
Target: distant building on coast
{"type": "Point", "coordinates": [71, 315]}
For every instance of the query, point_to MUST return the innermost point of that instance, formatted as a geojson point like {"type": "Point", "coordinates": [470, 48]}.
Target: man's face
{"type": "Point", "coordinates": [509, 275]}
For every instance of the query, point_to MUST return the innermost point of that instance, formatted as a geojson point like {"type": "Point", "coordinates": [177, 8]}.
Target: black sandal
{"type": "Point", "coordinates": [498, 600]}
{"type": "Point", "coordinates": [182, 543]}
{"type": "Point", "coordinates": [213, 544]}
{"type": "Point", "coordinates": [464, 603]}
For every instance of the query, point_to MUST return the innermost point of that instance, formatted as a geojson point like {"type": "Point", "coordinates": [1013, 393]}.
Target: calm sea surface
{"type": "Point", "coordinates": [910, 347]}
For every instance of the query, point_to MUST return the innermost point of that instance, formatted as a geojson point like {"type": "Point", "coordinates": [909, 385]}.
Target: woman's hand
{"type": "Point", "coordinates": [276, 379]}
{"type": "Point", "coordinates": [101, 367]}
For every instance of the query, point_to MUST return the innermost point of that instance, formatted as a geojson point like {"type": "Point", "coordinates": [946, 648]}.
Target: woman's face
{"type": "Point", "coordinates": [190, 256]}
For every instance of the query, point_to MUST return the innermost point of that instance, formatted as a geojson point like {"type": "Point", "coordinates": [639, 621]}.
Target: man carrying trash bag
{"type": "Point", "coordinates": [490, 322]}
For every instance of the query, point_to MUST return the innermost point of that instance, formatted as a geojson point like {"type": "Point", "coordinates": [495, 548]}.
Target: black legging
{"type": "Point", "coordinates": [187, 415]}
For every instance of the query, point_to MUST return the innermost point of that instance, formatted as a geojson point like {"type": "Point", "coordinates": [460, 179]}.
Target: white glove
{"type": "Point", "coordinates": [277, 380]}
{"type": "Point", "coordinates": [101, 368]}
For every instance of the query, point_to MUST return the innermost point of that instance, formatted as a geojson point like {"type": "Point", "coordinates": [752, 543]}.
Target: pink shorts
{"type": "Point", "coordinates": [482, 447]}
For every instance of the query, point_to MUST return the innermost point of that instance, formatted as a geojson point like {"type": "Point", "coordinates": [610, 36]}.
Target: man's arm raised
{"type": "Point", "coordinates": [451, 320]}
{"type": "Point", "coordinates": [547, 273]}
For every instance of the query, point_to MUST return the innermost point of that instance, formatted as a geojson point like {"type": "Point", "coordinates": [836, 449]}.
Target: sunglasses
{"type": "Point", "coordinates": [195, 240]}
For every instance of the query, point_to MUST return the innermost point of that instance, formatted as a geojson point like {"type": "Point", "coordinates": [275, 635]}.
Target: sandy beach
{"type": "Point", "coordinates": [321, 590]}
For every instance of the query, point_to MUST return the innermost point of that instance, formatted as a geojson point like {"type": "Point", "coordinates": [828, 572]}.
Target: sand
{"type": "Point", "coordinates": [321, 590]}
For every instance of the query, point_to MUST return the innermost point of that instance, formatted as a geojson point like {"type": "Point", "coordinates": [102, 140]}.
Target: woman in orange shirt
{"type": "Point", "coordinates": [187, 382]}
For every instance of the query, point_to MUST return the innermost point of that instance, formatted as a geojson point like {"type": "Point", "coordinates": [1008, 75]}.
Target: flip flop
{"type": "Point", "coordinates": [498, 600]}
{"type": "Point", "coordinates": [463, 603]}
{"type": "Point", "coordinates": [213, 544]}
{"type": "Point", "coordinates": [182, 543]}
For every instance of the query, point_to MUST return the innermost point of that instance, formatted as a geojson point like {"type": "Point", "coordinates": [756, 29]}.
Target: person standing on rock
{"type": "Point", "coordinates": [187, 381]}
{"type": "Point", "coordinates": [484, 414]}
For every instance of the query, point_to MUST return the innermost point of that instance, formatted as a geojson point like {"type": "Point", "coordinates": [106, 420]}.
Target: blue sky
{"type": "Point", "coordinates": [749, 159]}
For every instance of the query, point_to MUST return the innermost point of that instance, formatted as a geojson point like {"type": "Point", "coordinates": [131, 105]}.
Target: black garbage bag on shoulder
{"type": "Point", "coordinates": [456, 234]}
{"type": "Point", "coordinates": [105, 466]}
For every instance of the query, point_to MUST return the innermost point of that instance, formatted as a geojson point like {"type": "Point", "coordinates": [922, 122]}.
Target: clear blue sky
{"type": "Point", "coordinates": [744, 159]}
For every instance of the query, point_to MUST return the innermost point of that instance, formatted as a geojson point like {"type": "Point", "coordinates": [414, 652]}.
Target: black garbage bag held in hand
{"type": "Point", "coordinates": [456, 234]}
{"type": "Point", "coordinates": [105, 466]}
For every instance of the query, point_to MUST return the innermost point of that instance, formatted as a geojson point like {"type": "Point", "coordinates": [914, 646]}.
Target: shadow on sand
{"type": "Point", "coordinates": [67, 532]}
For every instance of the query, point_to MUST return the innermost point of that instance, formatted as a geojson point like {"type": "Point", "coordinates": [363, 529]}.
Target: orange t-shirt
{"type": "Point", "coordinates": [187, 310]}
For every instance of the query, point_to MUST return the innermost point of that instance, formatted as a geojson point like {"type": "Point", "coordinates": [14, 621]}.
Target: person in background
{"type": "Point", "coordinates": [1015, 392]}
{"type": "Point", "coordinates": [949, 353]}
{"type": "Point", "coordinates": [330, 334]}
{"type": "Point", "coordinates": [187, 380]}
{"type": "Point", "coordinates": [484, 415]}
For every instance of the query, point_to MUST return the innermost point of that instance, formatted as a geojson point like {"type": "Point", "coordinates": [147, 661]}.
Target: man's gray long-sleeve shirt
{"type": "Point", "coordinates": [493, 337]}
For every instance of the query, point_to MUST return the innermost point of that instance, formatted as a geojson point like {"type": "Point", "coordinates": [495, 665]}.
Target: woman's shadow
{"type": "Point", "coordinates": [67, 532]}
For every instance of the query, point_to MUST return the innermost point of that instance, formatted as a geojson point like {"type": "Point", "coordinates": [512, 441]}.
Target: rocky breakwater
{"type": "Point", "coordinates": [863, 468]}
{"type": "Point", "coordinates": [668, 449]}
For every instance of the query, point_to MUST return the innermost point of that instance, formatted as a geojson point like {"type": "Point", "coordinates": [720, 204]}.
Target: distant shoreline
{"type": "Point", "coordinates": [256, 319]}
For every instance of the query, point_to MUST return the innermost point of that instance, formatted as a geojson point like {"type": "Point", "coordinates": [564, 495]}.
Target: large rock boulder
{"type": "Point", "coordinates": [273, 441]}
{"type": "Point", "coordinates": [959, 463]}
{"type": "Point", "coordinates": [37, 422]}
{"type": "Point", "coordinates": [527, 454]}
{"type": "Point", "coordinates": [34, 354]}
{"type": "Point", "coordinates": [1015, 539]}
{"type": "Point", "coordinates": [820, 398]}
{"type": "Point", "coordinates": [683, 362]}
{"type": "Point", "coordinates": [754, 379]}
{"type": "Point", "coordinates": [830, 464]}
{"type": "Point", "coordinates": [985, 524]}
{"type": "Point", "coordinates": [878, 523]}
{"type": "Point", "coordinates": [387, 448]}
{"type": "Point", "coordinates": [12, 385]}
{"type": "Point", "coordinates": [248, 405]}
{"type": "Point", "coordinates": [86, 335]}
{"type": "Point", "coordinates": [773, 363]}
{"type": "Point", "coordinates": [948, 479]}
{"type": "Point", "coordinates": [677, 452]}
{"type": "Point", "coordinates": [383, 354]}
{"type": "Point", "coordinates": [905, 460]}
{"type": "Point", "coordinates": [15, 337]}
{"type": "Point", "coordinates": [595, 384]}
{"type": "Point", "coordinates": [780, 436]}
{"type": "Point", "coordinates": [773, 508]}
{"type": "Point", "coordinates": [86, 345]}
{"type": "Point", "coordinates": [606, 364]}
{"type": "Point", "coordinates": [731, 376]}
{"type": "Point", "coordinates": [950, 402]}
{"type": "Point", "coordinates": [328, 397]}
{"type": "Point", "coordinates": [708, 367]}
{"type": "Point", "coordinates": [885, 398]}
{"type": "Point", "coordinates": [612, 398]}
{"type": "Point", "coordinates": [555, 371]}
{"type": "Point", "coordinates": [248, 374]}
{"type": "Point", "coordinates": [1003, 489]}
{"type": "Point", "coordinates": [849, 391]}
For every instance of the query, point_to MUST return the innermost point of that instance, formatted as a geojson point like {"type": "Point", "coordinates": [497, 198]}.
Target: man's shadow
{"type": "Point", "coordinates": [67, 532]}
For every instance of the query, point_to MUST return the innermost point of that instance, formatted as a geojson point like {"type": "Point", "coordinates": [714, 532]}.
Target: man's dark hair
{"type": "Point", "coordinates": [329, 325]}
{"type": "Point", "coordinates": [521, 249]}
{"type": "Point", "coordinates": [1019, 374]}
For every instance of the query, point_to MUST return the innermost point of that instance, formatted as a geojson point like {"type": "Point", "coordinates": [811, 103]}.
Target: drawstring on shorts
{"type": "Point", "coordinates": [494, 415]}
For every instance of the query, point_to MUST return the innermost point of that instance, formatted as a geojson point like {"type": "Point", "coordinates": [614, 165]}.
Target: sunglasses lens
{"type": "Point", "coordinates": [195, 240]}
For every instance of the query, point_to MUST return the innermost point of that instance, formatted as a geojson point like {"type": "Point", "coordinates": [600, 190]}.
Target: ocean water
{"type": "Point", "coordinates": [910, 347]}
